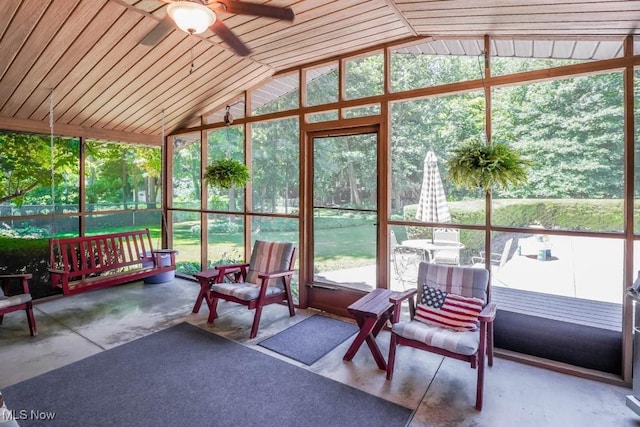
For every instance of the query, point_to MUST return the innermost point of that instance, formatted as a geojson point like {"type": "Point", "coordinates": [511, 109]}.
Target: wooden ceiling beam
{"type": "Point", "coordinates": [61, 129]}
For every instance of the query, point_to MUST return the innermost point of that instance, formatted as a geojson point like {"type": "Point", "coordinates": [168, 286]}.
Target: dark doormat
{"type": "Point", "coordinates": [578, 345]}
{"type": "Point", "coordinates": [311, 339]}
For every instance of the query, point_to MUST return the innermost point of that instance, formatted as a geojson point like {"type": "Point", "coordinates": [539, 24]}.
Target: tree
{"type": "Point", "coordinates": [25, 164]}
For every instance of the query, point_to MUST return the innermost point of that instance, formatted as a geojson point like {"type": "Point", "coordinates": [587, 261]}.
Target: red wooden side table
{"type": "Point", "coordinates": [371, 312]}
{"type": "Point", "coordinates": [206, 278]}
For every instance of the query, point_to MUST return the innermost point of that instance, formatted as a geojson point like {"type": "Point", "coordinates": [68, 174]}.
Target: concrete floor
{"type": "Point", "coordinates": [440, 391]}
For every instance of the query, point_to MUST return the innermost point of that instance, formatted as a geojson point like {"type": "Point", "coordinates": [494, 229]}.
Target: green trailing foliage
{"type": "Point", "coordinates": [476, 165]}
{"type": "Point", "coordinates": [226, 173]}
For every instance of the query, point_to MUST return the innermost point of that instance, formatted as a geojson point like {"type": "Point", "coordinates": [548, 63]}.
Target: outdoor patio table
{"type": "Point", "coordinates": [427, 246]}
{"type": "Point", "coordinates": [371, 312]}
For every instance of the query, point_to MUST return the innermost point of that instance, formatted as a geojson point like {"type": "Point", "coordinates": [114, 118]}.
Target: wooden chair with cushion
{"type": "Point", "coordinates": [453, 317]}
{"type": "Point", "coordinates": [15, 301]}
{"type": "Point", "coordinates": [266, 279]}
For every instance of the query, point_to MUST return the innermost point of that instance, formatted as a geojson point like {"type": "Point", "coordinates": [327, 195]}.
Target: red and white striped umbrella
{"type": "Point", "coordinates": [433, 202]}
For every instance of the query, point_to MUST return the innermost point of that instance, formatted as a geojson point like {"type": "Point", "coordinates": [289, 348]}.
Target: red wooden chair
{"type": "Point", "coordinates": [453, 318]}
{"type": "Point", "coordinates": [266, 279]}
{"type": "Point", "coordinates": [19, 301]}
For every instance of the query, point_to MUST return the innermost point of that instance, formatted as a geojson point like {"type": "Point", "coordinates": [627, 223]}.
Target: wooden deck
{"type": "Point", "coordinates": [598, 314]}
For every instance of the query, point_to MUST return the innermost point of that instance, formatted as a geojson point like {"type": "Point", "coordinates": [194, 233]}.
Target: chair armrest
{"type": "Point", "coordinates": [398, 298]}
{"type": "Point", "coordinates": [488, 313]}
{"type": "Point", "coordinates": [16, 276]}
{"type": "Point", "coordinates": [275, 274]}
{"type": "Point", "coordinates": [231, 266]}
{"type": "Point", "coordinates": [24, 277]}
{"type": "Point", "coordinates": [477, 260]}
{"type": "Point", "coordinates": [239, 271]}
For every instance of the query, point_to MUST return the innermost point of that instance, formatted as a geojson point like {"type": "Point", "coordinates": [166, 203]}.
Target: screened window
{"type": "Point", "coordinates": [120, 176]}
{"type": "Point", "coordinates": [279, 94]}
{"type": "Point", "coordinates": [26, 174]}
{"type": "Point", "coordinates": [322, 116]}
{"type": "Point", "coordinates": [364, 76]}
{"type": "Point", "coordinates": [434, 125]}
{"type": "Point", "coordinates": [225, 239]}
{"type": "Point", "coordinates": [274, 166]}
{"type": "Point", "coordinates": [368, 110]}
{"type": "Point", "coordinates": [436, 62]}
{"type": "Point", "coordinates": [572, 131]}
{"type": "Point", "coordinates": [187, 171]}
{"type": "Point", "coordinates": [515, 56]}
{"type": "Point", "coordinates": [322, 84]}
{"type": "Point", "coordinates": [226, 143]}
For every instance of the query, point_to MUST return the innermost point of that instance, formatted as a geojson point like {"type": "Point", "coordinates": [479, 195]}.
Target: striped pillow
{"type": "Point", "coordinates": [449, 310]}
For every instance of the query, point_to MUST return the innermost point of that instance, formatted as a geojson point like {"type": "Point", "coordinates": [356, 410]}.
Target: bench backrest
{"type": "Point", "coordinates": [80, 256]}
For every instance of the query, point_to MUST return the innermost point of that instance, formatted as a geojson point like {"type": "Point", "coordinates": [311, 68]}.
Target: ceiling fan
{"type": "Point", "coordinates": [196, 16]}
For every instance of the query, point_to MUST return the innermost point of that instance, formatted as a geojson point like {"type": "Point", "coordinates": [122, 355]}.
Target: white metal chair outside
{"type": "Point", "coordinates": [447, 237]}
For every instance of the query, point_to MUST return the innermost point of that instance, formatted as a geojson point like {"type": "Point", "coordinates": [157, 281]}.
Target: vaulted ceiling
{"type": "Point", "coordinates": [88, 52]}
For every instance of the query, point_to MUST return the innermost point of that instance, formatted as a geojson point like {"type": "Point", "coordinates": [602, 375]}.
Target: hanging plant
{"type": "Point", "coordinates": [474, 165]}
{"type": "Point", "coordinates": [226, 173]}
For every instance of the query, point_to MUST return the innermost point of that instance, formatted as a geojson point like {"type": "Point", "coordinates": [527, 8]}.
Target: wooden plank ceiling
{"type": "Point", "coordinates": [88, 51]}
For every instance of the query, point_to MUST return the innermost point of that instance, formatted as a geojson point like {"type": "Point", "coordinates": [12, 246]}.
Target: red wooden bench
{"type": "Point", "coordinates": [80, 264]}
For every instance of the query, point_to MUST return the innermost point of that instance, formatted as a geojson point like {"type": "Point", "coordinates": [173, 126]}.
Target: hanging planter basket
{"type": "Point", "coordinates": [474, 165]}
{"type": "Point", "coordinates": [226, 173]}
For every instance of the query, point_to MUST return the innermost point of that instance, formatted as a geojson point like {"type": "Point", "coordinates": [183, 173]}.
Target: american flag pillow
{"type": "Point", "coordinates": [439, 308]}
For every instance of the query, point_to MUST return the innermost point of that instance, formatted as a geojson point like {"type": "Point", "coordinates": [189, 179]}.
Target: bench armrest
{"type": "Point", "coordinates": [165, 251]}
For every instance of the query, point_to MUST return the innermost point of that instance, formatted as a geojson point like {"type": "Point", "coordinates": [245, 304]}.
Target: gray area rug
{"type": "Point", "coordinates": [309, 340]}
{"type": "Point", "coordinates": [184, 376]}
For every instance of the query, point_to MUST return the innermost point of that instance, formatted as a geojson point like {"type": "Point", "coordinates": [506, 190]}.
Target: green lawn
{"type": "Point", "coordinates": [335, 248]}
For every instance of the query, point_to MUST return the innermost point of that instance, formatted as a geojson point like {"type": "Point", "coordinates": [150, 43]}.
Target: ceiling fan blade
{"type": "Point", "coordinates": [255, 9]}
{"type": "Point", "coordinates": [158, 32]}
{"type": "Point", "coordinates": [228, 37]}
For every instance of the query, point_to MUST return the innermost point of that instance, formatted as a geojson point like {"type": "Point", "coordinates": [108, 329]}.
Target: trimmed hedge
{"type": "Point", "coordinates": [28, 256]}
{"type": "Point", "coordinates": [555, 214]}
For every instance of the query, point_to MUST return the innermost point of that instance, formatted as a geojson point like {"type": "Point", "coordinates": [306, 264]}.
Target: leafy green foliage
{"type": "Point", "coordinates": [275, 164]}
{"type": "Point", "coordinates": [25, 165]}
{"type": "Point", "coordinates": [226, 173]}
{"type": "Point", "coordinates": [118, 173]}
{"type": "Point", "coordinates": [474, 164]}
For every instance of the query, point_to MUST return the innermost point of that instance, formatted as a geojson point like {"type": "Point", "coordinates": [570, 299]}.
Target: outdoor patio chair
{"type": "Point", "coordinates": [453, 317]}
{"type": "Point", "coordinates": [450, 239]}
{"type": "Point", "coordinates": [405, 260]}
{"type": "Point", "coordinates": [17, 300]}
{"type": "Point", "coordinates": [266, 279]}
{"type": "Point", "coordinates": [496, 259]}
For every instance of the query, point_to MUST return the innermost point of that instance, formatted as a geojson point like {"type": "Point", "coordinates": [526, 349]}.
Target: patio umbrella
{"type": "Point", "coordinates": [432, 206]}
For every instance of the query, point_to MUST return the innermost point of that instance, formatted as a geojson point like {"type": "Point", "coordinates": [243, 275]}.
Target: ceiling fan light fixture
{"type": "Point", "coordinates": [192, 18]}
